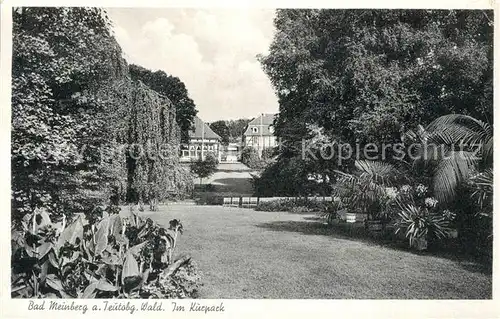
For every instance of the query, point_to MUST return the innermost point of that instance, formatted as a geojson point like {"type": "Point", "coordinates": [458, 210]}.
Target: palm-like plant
{"type": "Point", "coordinates": [364, 189]}
{"type": "Point", "coordinates": [418, 222]}
{"type": "Point", "coordinates": [482, 191]}
{"type": "Point", "coordinates": [457, 145]}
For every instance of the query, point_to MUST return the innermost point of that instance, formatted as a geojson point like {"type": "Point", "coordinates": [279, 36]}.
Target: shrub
{"type": "Point", "coordinates": [298, 205]}
{"type": "Point", "coordinates": [421, 223]}
{"type": "Point", "coordinates": [101, 255]}
{"type": "Point", "coordinates": [268, 153]}
{"type": "Point", "coordinates": [287, 177]}
{"type": "Point", "coordinates": [420, 216]}
{"type": "Point", "coordinates": [250, 158]}
{"type": "Point", "coordinates": [204, 168]}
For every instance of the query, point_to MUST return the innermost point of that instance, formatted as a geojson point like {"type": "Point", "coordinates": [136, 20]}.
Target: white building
{"type": "Point", "coordinates": [202, 140]}
{"type": "Point", "coordinates": [260, 133]}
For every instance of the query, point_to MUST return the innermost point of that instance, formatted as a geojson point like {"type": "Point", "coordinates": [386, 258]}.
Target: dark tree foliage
{"type": "Point", "coordinates": [231, 131]}
{"type": "Point", "coordinates": [153, 139]}
{"type": "Point", "coordinates": [73, 105]}
{"type": "Point", "coordinates": [237, 129]}
{"type": "Point", "coordinates": [367, 76]}
{"type": "Point", "coordinates": [174, 89]}
{"type": "Point", "coordinates": [221, 128]}
{"type": "Point", "coordinates": [61, 56]}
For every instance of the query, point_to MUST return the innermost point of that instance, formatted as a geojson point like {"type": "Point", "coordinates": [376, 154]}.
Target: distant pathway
{"type": "Point", "coordinates": [247, 254]}
{"type": "Point", "coordinates": [231, 177]}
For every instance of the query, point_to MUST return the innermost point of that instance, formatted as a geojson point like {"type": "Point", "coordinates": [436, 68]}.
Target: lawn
{"type": "Point", "coordinates": [247, 254]}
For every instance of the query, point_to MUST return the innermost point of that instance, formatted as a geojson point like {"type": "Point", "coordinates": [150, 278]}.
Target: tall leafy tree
{"type": "Point", "coordinates": [73, 104]}
{"type": "Point", "coordinates": [154, 139]}
{"type": "Point", "coordinates": [203, 168]}
{"type": "Point", "coordinates": [61, 56]}
{"type": "Point", "coordinates": [222, 129]}
{"type": "Point", "coordinates": [237, 129]}
{"type": "Point", "coordinates": [366, 76]}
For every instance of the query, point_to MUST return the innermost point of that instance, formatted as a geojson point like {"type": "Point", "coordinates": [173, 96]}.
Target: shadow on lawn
{"type": "Point", "coordinates": [240, 170]}
{"type": "Point", "coordinates": [314, 218]}
{"type": "Point", "coordinates": [312, 227]}
{"type": "Point", "coordinates": [236, 185]}
{"type": "Point", "coordinates": [317, 228]}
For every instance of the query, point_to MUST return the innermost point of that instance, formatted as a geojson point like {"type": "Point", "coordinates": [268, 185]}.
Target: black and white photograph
{"type": "Point", "coordinates": [250, 153]}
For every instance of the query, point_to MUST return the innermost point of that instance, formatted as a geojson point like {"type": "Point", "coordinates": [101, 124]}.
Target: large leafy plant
{"type": "Point", "coordinates": [366, 190]}
{"type": "Point", "coordinates": [420, 223]}
{"type": "Point", "coordinates": [455, 147]}
{"type": "Point", "coordinates": [101, 255]}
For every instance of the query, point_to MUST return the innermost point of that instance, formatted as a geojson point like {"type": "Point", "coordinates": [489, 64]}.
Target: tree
{"type": "Point", "coordinates": [204, 168]}
{"type": "Point", "coordinates": [221, 128]}
{"type": "Point", "coordinates": [268, 153]}
{"type": "Point", "coordinates": [152, 127]}
{"type": "Point", "coordinates": [73, 106]}
{"type": "Point", "coordinates": [61, 58]}
{"type": "Point", "coordinates": [250, 157]}
{"type": "Point", "coordinates": [367, 76]}
{"type": "Point", "coordinates": [237, 129]}
{"type": "Point", "coordinates": [173, 88]}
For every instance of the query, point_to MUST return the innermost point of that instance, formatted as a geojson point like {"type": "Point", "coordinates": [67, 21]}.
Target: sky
{"type": "Point", "coordinates": [213, 51]}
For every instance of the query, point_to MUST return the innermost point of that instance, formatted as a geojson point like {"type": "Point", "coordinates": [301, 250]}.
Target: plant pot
{"type": "Point", "coordinates": [374, 225]}
{"type": "Point", "coordinates": [350, 218]}
{"type": "Point", "coordinates": [420, 244]}
{"type": "Point", "coordinates": [453, 233]}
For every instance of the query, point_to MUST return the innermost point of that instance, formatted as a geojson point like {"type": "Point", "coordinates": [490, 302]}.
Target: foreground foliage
{"type": "Point", "coordinates": [101, 255]}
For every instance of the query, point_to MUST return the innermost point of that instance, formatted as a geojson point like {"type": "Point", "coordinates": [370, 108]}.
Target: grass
{"type": "Point", "coordinates": [248, 254]}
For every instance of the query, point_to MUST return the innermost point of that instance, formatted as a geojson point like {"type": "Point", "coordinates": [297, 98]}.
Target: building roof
{"type": "Point", "coordinates": [201, 127]}
{"type": "Point", "coordinates": [263, 123]}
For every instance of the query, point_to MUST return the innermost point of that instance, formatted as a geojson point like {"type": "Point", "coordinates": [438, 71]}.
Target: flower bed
{"type": "Point", "coordinates": [299, 205]}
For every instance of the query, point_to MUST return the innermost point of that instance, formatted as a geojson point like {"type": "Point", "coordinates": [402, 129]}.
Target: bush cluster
{"type": "Point", "coordinates": [250, 157]}
{"type": "Point", "coordinates": [295, 205]}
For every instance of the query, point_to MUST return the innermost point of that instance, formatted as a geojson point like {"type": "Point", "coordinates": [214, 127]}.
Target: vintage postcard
{"type": "Point", "coordinates": [248, 160]}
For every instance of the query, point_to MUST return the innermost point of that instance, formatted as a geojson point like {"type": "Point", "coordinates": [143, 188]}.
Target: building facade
{"type": "Point", "coordinates": [202, 141]}
{"type": "Point", "coordinates": [260, 133]}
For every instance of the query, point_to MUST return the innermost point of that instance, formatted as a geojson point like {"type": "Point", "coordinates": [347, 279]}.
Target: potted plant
{"type": "Point", "coordinates": [384, 211]}
{"type": "Point", "coordinates": [421, 225]}
{"type": "Point", "coordinates": [452, 230]}
{"type": "Point", "coordinates": [332, 210]}
{"type": "Point", "coordinates": [367, 191]}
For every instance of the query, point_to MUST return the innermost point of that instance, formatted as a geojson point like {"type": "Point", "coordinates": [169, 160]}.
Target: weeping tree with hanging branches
{"type": "Point", "coordinates": [153, 137]}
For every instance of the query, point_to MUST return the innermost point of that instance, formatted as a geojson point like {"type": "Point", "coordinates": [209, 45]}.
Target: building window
{"type": "Point", "coordinates": [255, 129]}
